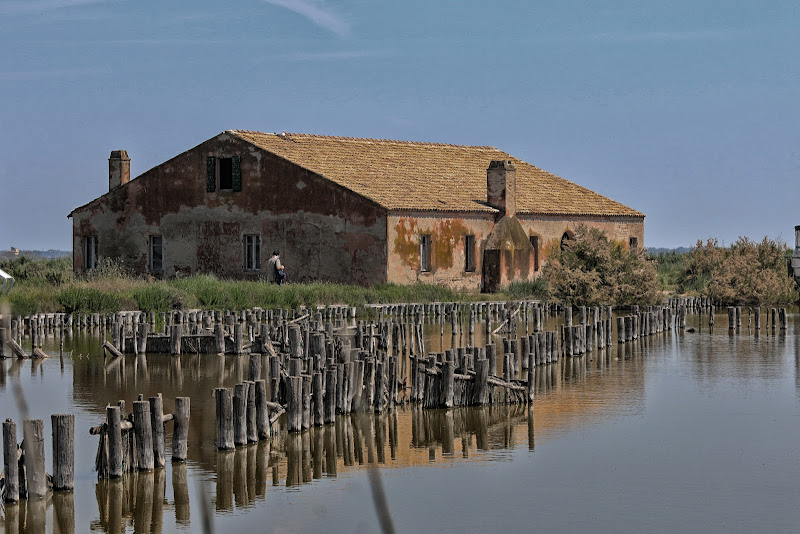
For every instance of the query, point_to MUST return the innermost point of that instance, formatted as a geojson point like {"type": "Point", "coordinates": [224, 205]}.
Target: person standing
{"type": "Point", "coordinates": [276, 268]}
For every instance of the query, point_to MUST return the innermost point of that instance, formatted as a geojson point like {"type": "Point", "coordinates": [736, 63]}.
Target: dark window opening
{"type": "Point", "coordinates": [90, 248]}
{"type": "Point", "coordinates": [564, 239]}
{"type": "Point", "coordinates": [226, 174]}
{"type": "Point", "coordinates": [425, 252]}
{"type": "Point", "coordinates": [535, 245]}
{"type": "Point", "coordinates": [469, 253]}
{"type": "Point", "coordinates": [633, 243]}
{"type": "Point", "coordinates": [252, 253]}
{"type": "Point", "coordinates": [156, 253]}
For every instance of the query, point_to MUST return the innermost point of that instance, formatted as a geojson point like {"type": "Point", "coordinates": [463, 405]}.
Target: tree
{"type": "Point", "coordinates": [592, 270]}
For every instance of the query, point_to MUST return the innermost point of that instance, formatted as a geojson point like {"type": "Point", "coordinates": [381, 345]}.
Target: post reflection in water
{"type": "Point", "coordinates": [568, 393]}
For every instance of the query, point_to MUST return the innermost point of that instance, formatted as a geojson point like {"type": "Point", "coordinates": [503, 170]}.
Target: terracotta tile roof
{"type": "Point", "coordinates": [430, 176]}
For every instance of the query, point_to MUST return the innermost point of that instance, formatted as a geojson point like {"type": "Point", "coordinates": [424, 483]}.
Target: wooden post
{"type": "Point", "coordinates": [294, 403]}
{"type": "Point", "coordinates": [219, 338]}
{"type": "Point", "coordinates": [63, 426]}
{"type": "Point", "coordinates": [157, 422]}
{"type": "Point", "coordinates": [481, 384]}
{"type": "Point", "coordinates": [116, 452]}
{"type": "Point", "coordinates": [731, 318]}
{"type": "Point", "coordinates": [240, 414]}
{"type": "Point", "coordinates": [318, 400]}
{"type": "Point", "coordinates": [10, 461]}
{"type": "Point", "coordinates": [144, 435]}
{"type": "Point", "coordinates": [33, 446]}
{"type": "Point", "coordinates": [254, 368]}
{"type": "Point", "coordinates": [262, 412]}
{"type": "Point", "coordinates": [306, 402]}
{"type": "Point", "coordinates": [238, 346]}
{"type": "Point", "coordinates": [180, 429]}
{"type": "Point", "coordinates": [175, 340]}
{"type": "Point", "coordinates": [448, 376]}
{"type": "Point", "coordinates": [330, 396]}
{"type": "Point", "coordinates": [142, 345]}
{"type": "Point", "coordinates": [224, 404]}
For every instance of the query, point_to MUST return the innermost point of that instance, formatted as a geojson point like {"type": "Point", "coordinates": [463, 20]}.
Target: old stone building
{"type": "Point", "coordinates": [357, 211]}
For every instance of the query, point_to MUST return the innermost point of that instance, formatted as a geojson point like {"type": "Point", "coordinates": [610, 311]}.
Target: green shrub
{"type": "Point", "coordinates": [593, 270]}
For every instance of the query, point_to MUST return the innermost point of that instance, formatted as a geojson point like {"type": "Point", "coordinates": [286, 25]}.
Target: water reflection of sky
{"type": "Point", "coordinates": [679, 432]}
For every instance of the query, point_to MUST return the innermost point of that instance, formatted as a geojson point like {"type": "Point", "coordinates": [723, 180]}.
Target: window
{"type": "Point", "coordinates": [469, 253]}
{"type": "Point", "coordinates": [90, 251]}
{"type": "Point", "coordinates": [225, 174]}
{"type": "Point", "coordinates": [565, 239]}
{"type": "Point", "coordinates": [225, 171]}
{"type": "Point", "coordinates": [633, 242]}
{"type": "Point", "coordinates": [425, 252]}
{"type": "Point", "coordinates": [156, 253]}
{"type": "Point", "coordinates": [252, 253]}
{"type": "Point", "coordinates": [535, 245]}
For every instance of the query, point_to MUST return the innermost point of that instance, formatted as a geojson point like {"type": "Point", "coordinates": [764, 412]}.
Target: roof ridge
{"type": "Point", "coordinates": [368, 139]}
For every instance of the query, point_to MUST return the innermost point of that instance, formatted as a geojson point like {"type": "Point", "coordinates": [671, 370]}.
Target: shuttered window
{"type": "Point", "coordinates": [211, 174]}
{"type": "Point", "coordinates": [469, 253]}
{"type": "Point", "coordinates": [236, 172]}
{"type": "Point", "coordinates": [227, 170]}
{"type": "Point", "coordinates": [90, 251]}
{"type": "Point", "coordinates": [425, 252]}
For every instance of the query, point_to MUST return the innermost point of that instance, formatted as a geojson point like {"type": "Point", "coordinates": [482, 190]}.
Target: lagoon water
{"type": "Point", "coordinates": [680, 432]}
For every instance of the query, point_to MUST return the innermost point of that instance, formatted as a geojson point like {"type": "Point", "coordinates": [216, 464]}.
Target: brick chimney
{"type": "Point", "coordinates": [501, 186]}
{"type": "Point", "coordinates": [119, 169]}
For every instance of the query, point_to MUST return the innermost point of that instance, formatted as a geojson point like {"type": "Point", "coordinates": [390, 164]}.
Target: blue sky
{"type": "Point", "coordinates": [685, 110]}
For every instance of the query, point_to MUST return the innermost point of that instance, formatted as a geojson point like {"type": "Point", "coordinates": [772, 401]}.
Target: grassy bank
{"type": "Point", "coordinates": [50, 286]}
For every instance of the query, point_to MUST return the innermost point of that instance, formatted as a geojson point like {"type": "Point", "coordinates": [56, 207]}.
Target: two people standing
{"type": "Point", "coordinates": [276, 268]}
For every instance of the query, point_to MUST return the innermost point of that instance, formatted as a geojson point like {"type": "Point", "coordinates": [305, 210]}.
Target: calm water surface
{"type": "Point", "coordinates": [695, 432]}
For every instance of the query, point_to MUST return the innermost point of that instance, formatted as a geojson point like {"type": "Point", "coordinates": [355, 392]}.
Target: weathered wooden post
{"type": "Point", "coordinates": [294, 403]}
{"type": "Point", "coordinates": [33, 446]}
{"type": "Point", "coordinates": [63, 427]}
{"type": "Point", "coordinates": [252, 430]}
{"type": "Point", "coordinates": [219, 338]}
{"type": "Point", "coordinates": [157, 422]}
{"type": "Point", "coordinates": [116, 451]}
{"type": "Point", "coordinates": [10, 461]}
{"type": "Point", "coordinates": [254, 368]}
{"type": "Point", "coordinates": [330, 396]}
{"type": "Point", "coordinates": [180, 429]}
{"type": "Point", "coordinates": [262, 411]}
{"type": "Point", "coordinates": [143, 429]}
{"type": "Point", "coordinates": [240, 414]}
{"type": "Point", "coordinates": [224, 409]}
{"type": "Point", "coordinates": [175, 340]}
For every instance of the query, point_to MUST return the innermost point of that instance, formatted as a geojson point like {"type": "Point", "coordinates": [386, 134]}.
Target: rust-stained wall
{"type": "Point", "coordinates": [447, 248]}
{"type": "Point", "coordinates": [551, 228]}
{"type": "Point", "coordinates": [324, 232]}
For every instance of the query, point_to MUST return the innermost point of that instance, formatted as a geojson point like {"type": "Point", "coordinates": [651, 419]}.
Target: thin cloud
{"type": "Point", "coordinates": [327, 56]}
{"type": "Point", "coordinates": [669, 36]}
{"type": "Point", "coordinates": [22, 7]}
{"type": "Point", "coordinates": [27, 75]}
{"type": "Point", "coordinates": [316, 12]}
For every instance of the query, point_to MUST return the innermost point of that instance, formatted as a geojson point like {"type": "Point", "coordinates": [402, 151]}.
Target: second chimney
{"type": "Point", "coordinates": [501, 186]}
{"type": "Point", "coordinates": [119, 169]}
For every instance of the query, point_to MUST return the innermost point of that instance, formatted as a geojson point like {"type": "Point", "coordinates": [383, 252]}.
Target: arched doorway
{"type": "Point", "coordinates": [568, 236]}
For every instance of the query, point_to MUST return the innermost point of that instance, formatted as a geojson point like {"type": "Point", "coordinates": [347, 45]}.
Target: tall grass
{"type": "Point", "coordinates": [50, 286]}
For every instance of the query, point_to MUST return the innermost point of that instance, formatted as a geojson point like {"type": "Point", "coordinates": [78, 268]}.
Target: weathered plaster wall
{"type": "Point", "coordinates": [550, 229]}
{"type": "Point", "coordinates": [324, 232]}
{"type": "Point", "coordinates": [447, 248]}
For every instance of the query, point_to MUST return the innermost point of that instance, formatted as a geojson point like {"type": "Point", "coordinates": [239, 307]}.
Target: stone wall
{"type": "Point", "coordinates": [448, 259]}
{"type": "Point", "coordinates": [324, 232]}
